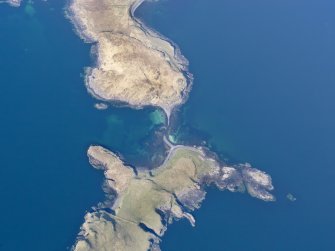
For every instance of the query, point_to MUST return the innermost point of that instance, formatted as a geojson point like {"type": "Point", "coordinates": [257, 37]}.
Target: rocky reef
{"type": "Point", "coordinates": [135, 65]}
{"type": "Point", "coordinates": [101, 106]}
{"type": "Point", "coordinates": [14, 3]}
{"type": "Point", "coordinates": [141, 203]}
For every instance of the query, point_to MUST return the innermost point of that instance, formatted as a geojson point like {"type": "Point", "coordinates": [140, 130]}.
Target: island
{"type": "Point", "coordinates": [141, 202]}
{"type": "Point", "coordinates": [100, 106]}
{"type": "Point", "coordinates": [134, 65]}
{"type": "Point", "coordinates": [291, 197]}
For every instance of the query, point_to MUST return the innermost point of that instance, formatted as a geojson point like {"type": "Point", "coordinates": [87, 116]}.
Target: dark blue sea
{"type": "Point", "coordinates": [263, 93]}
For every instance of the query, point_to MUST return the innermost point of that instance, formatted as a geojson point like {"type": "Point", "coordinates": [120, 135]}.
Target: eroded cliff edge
{"type": "Point", "coordinates": [140, 204]}
{"type": "Point", "coordinates": [135, 65]}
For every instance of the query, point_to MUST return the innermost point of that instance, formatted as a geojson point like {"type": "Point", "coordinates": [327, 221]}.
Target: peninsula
{"type": "Point", "coordinates": [141, 203]}
{"type": "Point", "coordinates": [134, 65]}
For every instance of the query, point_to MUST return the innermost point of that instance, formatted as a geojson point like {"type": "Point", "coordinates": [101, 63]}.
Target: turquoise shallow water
{"type": "Point", "coordinates": [263, 93]}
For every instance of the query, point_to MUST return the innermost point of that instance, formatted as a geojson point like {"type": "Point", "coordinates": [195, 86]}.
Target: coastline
{"type": "Point", "coordinates": [177, 60]}
{"type": "Point", "coordinates": [185, 69]}
{"type": "Point", "coordinates": [78, 26]}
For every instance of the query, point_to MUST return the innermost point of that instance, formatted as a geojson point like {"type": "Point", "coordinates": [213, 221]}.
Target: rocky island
{"type": "Point", "coordinates": [141, 203]}
{"type": "Point", "coordinates": [14, 3]}
{"type": "Point", "coordinates": [134, 65]}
